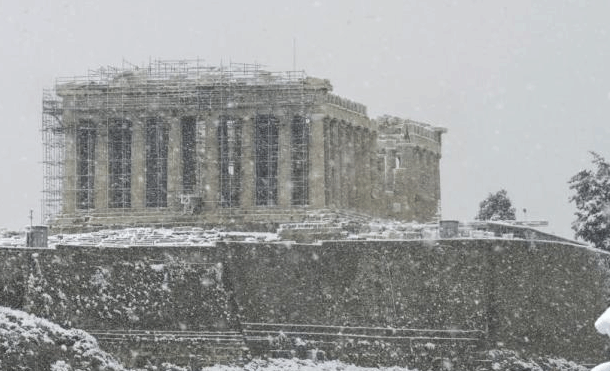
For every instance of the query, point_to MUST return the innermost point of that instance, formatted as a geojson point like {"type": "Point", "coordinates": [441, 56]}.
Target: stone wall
{"type": "Point", "coordinates": [137, 301]}
{"type": "Point", "coordinates": [374, 283]}
{"type": "Point", "coordinates": [119, 288]}
{"type": "Point", "coordinates": [540, 298]}
{"type": "Point", "coordinates": [408, 155]}
{"type": "Point", "coordinates": [545, 297]}
{"type": "Point", "coordinates": [139, 349]}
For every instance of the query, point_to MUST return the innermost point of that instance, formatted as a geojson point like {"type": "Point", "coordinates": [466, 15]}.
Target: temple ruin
{"type": "Point", "coordinates": [180, 142]}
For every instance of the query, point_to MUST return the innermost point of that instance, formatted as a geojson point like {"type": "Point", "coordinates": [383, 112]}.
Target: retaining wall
{"type": "Point", "coordinates": [118, 288]}
{"type": "Point", "coordinates": [541, 298]}
{"type": "Point", "coordinates": [536, 297]}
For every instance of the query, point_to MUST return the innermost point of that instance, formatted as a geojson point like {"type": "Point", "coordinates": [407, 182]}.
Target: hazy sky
{"type": "Point", "coordinates": [522, 86]}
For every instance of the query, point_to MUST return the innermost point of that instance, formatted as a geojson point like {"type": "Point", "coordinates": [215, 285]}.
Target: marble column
{"type": "Point", "coordinates": [343, 165]}
{"type": "Point", "coordinates": [375, 183]}
{"type": "Point", "coordinates": [284, 168]}
{"type": "Point", "coordinates": [327, 159]}
{"type": "Point", "coordinates": [138, 164]}
{"type": "Point", "coordinates": [211, 170]}
{"type": "Point", "coordinates": [351, 167]}
{"type": "Point", "coordinates": [174, 164]}
{"type": "Point", "coordinates": [358, 164]}
{"type": "Point", "coordinates": [316, 162]}
{"type": "Point", "coordinates": [70, 159]}
{"type": "Point", "coordinates": [247, 161]}
{"type": "Point", "coordinates": [200, 167]}
{"type": "Point", "coordinates": [336, 164]}
{"type": "Point", "coordinates": [100, 181]}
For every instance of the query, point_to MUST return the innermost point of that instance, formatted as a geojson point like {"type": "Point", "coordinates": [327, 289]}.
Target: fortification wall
{"type": "Point", "coordinates": [361, 283]}
{"type": "Point", "coordinates": [531, 296]}
{"type": "Point", "coordinates": [118, 288]}
{"type": "Point", "coordinates": [144, 304]}
{"type": "Point", "coordinates": [544, 298]}
{"type": "Point", "coordinates": [537, 297]}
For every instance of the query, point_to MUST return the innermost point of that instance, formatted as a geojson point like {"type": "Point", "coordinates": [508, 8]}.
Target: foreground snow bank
{"type": "Point", "coordinates": [602, 367]}
{"type": "Point", "coordinates": [299, 365]}
{"type": "Point", "coordinates": [508, 360]}
{"type": "Point", "coordinates": [602, 325]}
{"type": "Point", "coordinates": [28, 342]}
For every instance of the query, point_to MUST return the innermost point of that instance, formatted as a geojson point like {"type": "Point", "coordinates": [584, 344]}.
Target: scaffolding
{"type": "Point", "coordinates": [187, 84]}
{"type": "Point", "coordinates": [106, 100]}
{"type": "Point", "coordinates": [53, 155]}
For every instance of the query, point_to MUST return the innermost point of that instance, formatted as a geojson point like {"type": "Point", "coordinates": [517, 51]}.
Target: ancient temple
{"type": "Point", "coordinates": [177, 142]}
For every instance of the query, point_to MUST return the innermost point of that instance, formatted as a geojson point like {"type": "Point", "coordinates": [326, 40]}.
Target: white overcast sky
{"type": "Point", "coordinates": [523, 87]}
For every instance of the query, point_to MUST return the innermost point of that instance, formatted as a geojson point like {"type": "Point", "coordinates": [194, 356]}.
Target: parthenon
{"type": "Point", "coordinates": [179, 142]}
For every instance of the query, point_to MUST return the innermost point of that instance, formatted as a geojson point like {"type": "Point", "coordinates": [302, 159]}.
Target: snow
{"type": "Point", "coordinates": [157, 267]}
{"type": "Point", "coordinates": [370, 229]}
{"type": "Point", "coordinates": [26, 339]}
{"type": "Point", "coordinates": [602, 325]}
{"type": "Point", "coordinates": [299, 365]}
{"type": "Point", "coordinates": [181, 236]}
{"type": "Point", "coordinates": [602, 367]}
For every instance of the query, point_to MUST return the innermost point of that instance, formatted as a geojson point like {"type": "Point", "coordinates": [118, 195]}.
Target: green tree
{"type": "Point", "coordinates": [496, 206]}
{"type": "Point", "coordinates": [592, 199]}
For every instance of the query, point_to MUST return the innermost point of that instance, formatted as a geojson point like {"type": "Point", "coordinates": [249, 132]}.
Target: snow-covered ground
{"type": "Point", "coordinates": [188, 236]}
{"type": "Point", "coordinates": [158, 237]}
{"type": "Point", "coordinates": [143, 237]}
{"type": "Point", "coordinates": [299, 365]}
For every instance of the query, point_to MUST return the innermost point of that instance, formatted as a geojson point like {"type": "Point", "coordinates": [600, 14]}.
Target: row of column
{"type": "Point", "coordinates": [136, 172]}
{"type": "Point", "coordinates": [207, 167]}
{"type": "Point", "coordinates": [349, 158]}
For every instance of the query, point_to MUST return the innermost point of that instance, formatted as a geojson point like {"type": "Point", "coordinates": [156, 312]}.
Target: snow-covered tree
{"type": "Point", "coordinates": [592, 199]}
{"type": "Point", "coordinates": [496, 206]}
